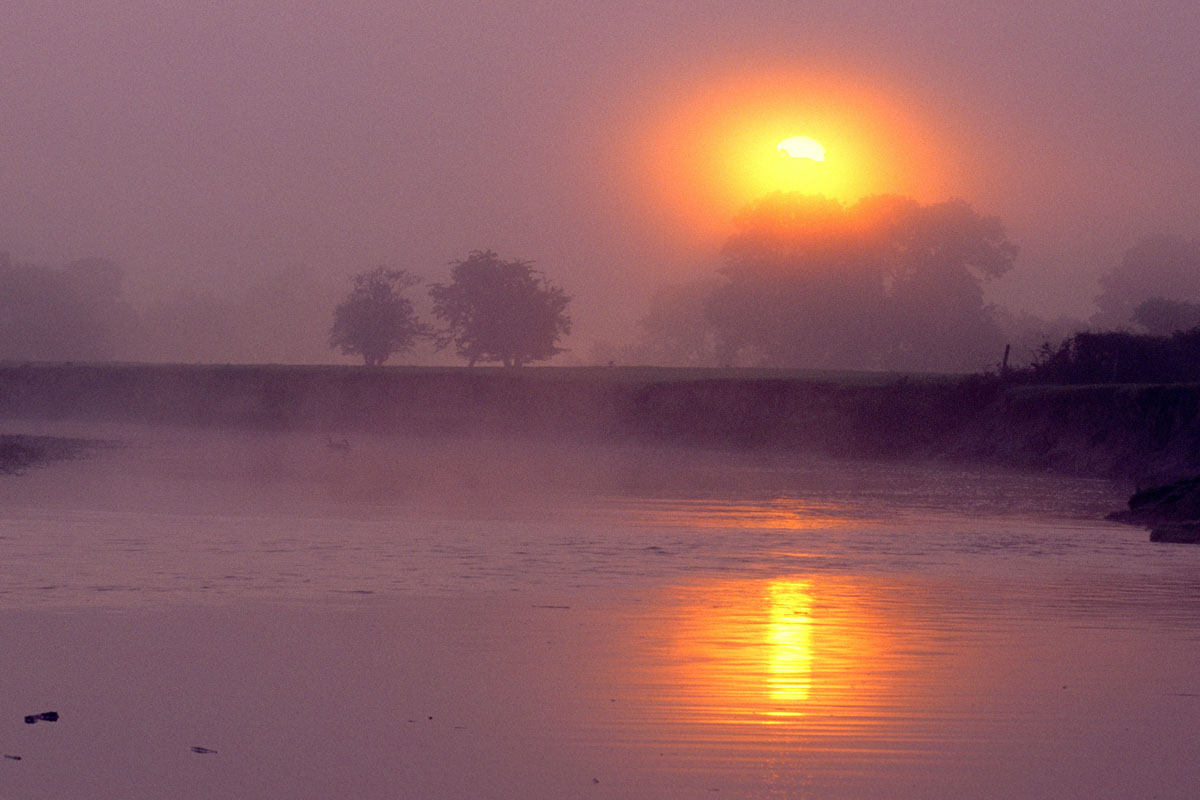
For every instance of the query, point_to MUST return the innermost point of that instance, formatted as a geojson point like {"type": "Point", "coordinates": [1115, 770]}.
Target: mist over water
{"type": "Point", "coordinates": [424, 617]}
{"type": "Point", "coordinates": [164, 512]}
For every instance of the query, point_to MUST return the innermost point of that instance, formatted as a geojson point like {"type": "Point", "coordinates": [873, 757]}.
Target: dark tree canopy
{"type": "Point", "coordinates": [1119, 357]}
{"type": "Point", "coordinates": [884, 283]}
{"type": "Point", "coordinates": [496, 310]}
{"type": "Point", "coordinates": [376, 320]}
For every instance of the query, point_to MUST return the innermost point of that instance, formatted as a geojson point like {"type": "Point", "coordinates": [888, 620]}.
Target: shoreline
{"type": "Point", "coordinates": [1146, 433]}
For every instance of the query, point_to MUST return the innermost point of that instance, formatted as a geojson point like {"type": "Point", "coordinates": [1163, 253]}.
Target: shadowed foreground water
{"type": "Point", "coordinates": [518, 620]}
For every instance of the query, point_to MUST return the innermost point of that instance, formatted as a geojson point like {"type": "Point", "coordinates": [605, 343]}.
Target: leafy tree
{"type": "Point", "coordinates": [1119, 357]}
{"type": "Point", "coordinates": [496, 310]}
{"type": "Point", "coordinates": [801, 287]}
{"type": "Point", "coordinates": [376, 319]}
{"type": "Point", "coordinates": [937, 259]}
{"type": "Point", "coordinates": [883, 283]}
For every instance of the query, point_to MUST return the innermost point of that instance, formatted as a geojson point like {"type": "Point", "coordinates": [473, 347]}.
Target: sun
{"type": "Point", "coordinates": [713, 149]}
{"type": "Point", "coordinates": [801, 147]}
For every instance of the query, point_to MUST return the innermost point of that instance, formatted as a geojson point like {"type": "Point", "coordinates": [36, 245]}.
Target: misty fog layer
{"type": "Point", "coordinates": [214, 152]}
{"type": "Point", "coordinates": [885, 284]}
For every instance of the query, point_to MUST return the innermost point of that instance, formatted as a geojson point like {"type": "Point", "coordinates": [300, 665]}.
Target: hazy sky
{"type": "Point", "coordinates": [224, 141]}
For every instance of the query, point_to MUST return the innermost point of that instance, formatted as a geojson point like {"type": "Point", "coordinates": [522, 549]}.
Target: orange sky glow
{"type": "Point", "coordinates": [709, 154]}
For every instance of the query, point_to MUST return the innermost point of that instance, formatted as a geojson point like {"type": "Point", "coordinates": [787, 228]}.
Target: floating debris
{"type": "Point", "coordinates": [47, 716]}
{"type": "Point", "coordinates": [12, 758]}
{"type": "Point", "coordinates": [202, 750]}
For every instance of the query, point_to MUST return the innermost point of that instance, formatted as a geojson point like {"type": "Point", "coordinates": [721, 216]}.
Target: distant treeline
{"type": "Point", "coordinates": [884, 284]}
{"type": "Point", "coordinates": [1118, 357]}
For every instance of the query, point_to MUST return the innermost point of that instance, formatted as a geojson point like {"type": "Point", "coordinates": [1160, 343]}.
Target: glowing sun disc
{"type": "Point", "coordinates": [802, 147]}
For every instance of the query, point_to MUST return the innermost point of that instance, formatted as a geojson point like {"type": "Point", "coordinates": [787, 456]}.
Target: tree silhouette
{"type": "Point", "coordinates": [1118, 357]}
{"type": "Point", "coordinates": [496, 310]}
{"type": "Point", "coordinates": [884, 283]}
{"type": "Point", "coordinates": [376, 319]}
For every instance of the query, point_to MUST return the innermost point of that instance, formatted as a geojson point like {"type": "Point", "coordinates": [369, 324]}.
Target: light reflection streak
{"type": "Point", "coordinates": [781, 514]}
{"type": "Point", "coordinates": [789, 651]}
{"type": "Point", "coordinates": [810, 654]}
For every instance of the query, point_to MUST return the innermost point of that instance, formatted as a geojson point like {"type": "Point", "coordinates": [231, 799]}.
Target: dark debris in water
{"type": "Point", "coordinates": [202, 750]}
{"type": "Point", "coordinates": [45, 716]}
{"type": "Point", "coordinates": [12, 758]}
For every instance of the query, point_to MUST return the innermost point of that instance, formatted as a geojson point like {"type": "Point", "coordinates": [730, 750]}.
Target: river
{"type": "Point", "coordinates": [432, 618]}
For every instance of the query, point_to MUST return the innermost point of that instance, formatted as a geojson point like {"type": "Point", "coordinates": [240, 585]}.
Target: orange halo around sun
{"type": "Point", "coordinates": [707, 156]}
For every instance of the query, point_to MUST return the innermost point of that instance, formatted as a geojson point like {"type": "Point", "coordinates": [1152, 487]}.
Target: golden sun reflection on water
{"type": "Point", "coordinates": [814, 655]}
{"type": "Point", "coordinates": [788, 651]}
{"type": "Point", "coordinates": [782, 514]}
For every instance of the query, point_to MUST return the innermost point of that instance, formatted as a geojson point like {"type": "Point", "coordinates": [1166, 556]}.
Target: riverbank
{"type": "Point", "coordinates": [1142, 432]}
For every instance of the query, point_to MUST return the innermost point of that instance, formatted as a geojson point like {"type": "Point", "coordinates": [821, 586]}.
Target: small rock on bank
{"type": "Point", "coordinates": [1171, 511]}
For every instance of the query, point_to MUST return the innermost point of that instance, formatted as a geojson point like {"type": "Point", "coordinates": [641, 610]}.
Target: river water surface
{"type": "Point", "coordinates": [427, 618]}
